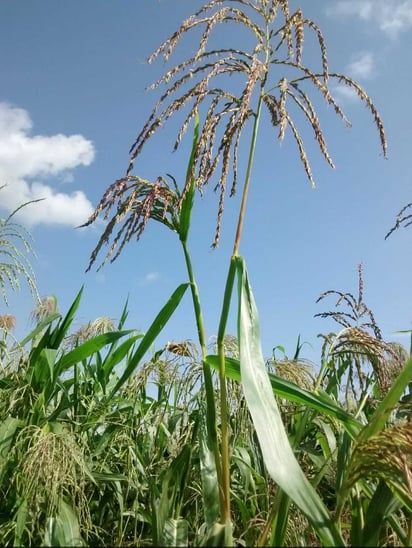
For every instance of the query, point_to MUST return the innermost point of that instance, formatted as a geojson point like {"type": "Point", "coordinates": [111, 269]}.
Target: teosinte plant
{"type": "Point", "coordinates": [190, 83]}
{"type": "Point", "coordinates": [14, 262]}
{"type": "Point", "coordinates": [275, 80]}
{"type": "Point", "coordinates": [360, 341]}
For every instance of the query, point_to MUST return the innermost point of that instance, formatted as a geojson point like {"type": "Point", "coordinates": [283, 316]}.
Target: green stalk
{"type": "Point", "coordinates": [224, 427]}
{"type": "Point", "coordinates": [223, 321]}
{"type": "Point", "coordinates": [248, 174]}
{"type": "Point", "coordinates": [207, 374]}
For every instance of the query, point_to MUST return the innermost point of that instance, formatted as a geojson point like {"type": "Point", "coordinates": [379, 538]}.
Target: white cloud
{"type": "Point", "coordinates": [345, 93]}
{"type": "Point", "coordinates": [101, 278]}
{"type": "Point", "coordinates": [391, 16]}
{"type": "Point", "coordinates": [362, 66]}
{"type": "Point", "coordinates": [152, 276]}
{"type": "Point", "coordinates": [24, 157]}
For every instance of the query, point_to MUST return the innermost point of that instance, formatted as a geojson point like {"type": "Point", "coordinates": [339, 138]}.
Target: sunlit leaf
{"type": "Point", "coordinates": [277, 453]}
{"type": "Point", "coordinates": [292, 392]}
{"type": "Point", "coordinates": [158, 324]}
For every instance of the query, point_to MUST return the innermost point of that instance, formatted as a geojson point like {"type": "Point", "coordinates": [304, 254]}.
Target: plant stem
{"type": "Point", "coordinates": [224, 410]}
{"type": "Point", "coordinates": [248, 174]}
{"type": "Point", "coordinates": [207, 375]}
{"type": "Point", "coordinates": [224, 427]}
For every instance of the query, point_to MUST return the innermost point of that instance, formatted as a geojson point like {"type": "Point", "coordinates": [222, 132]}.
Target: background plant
{"type": "Point", "coordinates": [15, 248]}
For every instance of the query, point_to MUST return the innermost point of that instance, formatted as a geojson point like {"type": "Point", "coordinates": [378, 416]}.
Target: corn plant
{"type": "Point", "coordinates": [15, 247]}
{"type": "Point", "coordinates": [359, 364]}
{"type": "Point", "coordinates": [276, 82]}
{"type": "Point", "coordinates": [47, 398]}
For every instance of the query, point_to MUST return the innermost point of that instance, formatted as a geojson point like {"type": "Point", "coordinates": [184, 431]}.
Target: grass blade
{"type": "Point", "coordinates": [187, 202]}
{"type": "Point", "coordinates": [37, 330]}
{"type": "Point", "coordinates": [381, 505]}
{"type": "Point", "coordinates": [61, 330]}
{"type": "Point", "coordinates": [173, 487]}
{"type": "Point", "coordinates": [88, 348]}
{"type": "Point", "coordinates": [158, 324]}
{"type": "Point", "coordinates": [292, 392]}
{"type": "Point", "coordinates": [385, 408]}
{"type": "Point", "coordinates": [277, 453]}
{"type": "Point", "coordinates": [21, 521]}
{"type": "Point", "coordinates": [176, 532]}
{"type": "Point", "coordinates": [64, 530]}
{"type": "Point", "coordinates": [208, 472]}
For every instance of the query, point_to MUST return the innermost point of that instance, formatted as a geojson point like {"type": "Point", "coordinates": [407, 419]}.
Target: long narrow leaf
{"type": "Point", "coordinates": [8, 430]}
{"type": "Point", "coordinates": [277, 453]}
{"type": "Point", "coordinates": [116, 356]}
{"type": "Point", "coordinates": [88, 348]}
{"type": "Point", "coordinates": [384, 409]}
{"type": "Point", "coordinates": [21, 523]}
{"type": "Point", "coordinates": [382, 504]}
{"type": "Point", "coordinates": [208, 472]}
{"type": "Point", "coordinates": [61, 330]}
{"type": "Point", "coordinates": [187, 202]}
{"type": "Point", "coordinates": [292, 392]}
{"type": "Point", "coordinates": [175, 532]}
{"type": "Point", "coordinates": [38, 329]}
{"type": "Point", "coordinates": [173, 486]}
{"type": "Point", "coordinates": [158, 324]}
{"type": "Point", "coordinates": [64, 530]}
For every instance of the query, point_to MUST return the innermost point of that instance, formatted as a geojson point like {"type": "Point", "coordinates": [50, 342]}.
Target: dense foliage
{"type": "Point", "coordinates": [106, 439]}
{"type": "Point", "coordinates": [86, 461]}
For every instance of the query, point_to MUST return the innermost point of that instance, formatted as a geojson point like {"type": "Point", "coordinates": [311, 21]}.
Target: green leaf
{"type": "Point", "coordinates": [116, 356]}
{"type": "Point", "coordinates": [187, 202]}
{"type": "Point", "coordinates": [52, 338]}
{"type": "Point", "coordinates": [158, 324]}
{"type": "Point", "coordinates": [38, 329]}
{"type": "Point", "coordinates": [42, 368]}
{"type": "Point", "coordinates": [8, 429]}
{"type": "Point", "coordinates": [21, 519]}
{"type": "Point", "coordinates": [88, 348]}
{"type": "Point", "coordinates": [64, 529]}
{"type": "Point", "coordinates": [175, 532]}
{"type": "Point", "coordinates": [173, 487]}
{"type": "Point", "coordinates": [61, 330]}
{"type": "Point", "coordinates": [210, 483]}
{"type": "Point", "coordinates": [380, 417]}
{"type": "Point", "coordinates": [292, 392]}
{"type": "Point", "coordinates": [277, 452]}
{"type": "Point", "coordinates": [381, 505]}
{"type": "Point", "coordinates": [220, 534]}
{"type": "Point", "coordinates": [123, 316]}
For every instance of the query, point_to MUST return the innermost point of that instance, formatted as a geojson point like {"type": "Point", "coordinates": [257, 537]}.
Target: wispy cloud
{"type": "Point", "coordinates": [362, 66]}
{"type": "Point", "coordinates": [345, 94]}
{"type": "Point", "coordinates": [100, 278]}
{"type": "Point", "coordinates": [152, 277]}
{"type": "Point", "coordinates": [390, 16]}
{"type": "Point", "coordinates": [25, 157]}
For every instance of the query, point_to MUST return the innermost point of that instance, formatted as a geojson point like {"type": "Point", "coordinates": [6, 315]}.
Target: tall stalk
{"type": "Point", "coordinates": [224, 316]}
{"type": "Point", "coordinates": [279, 38]}
{"type": "Point", "coordinates": [207, 374]}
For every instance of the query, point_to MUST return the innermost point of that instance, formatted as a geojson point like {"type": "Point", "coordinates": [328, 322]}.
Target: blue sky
{"type": "Point", "coordinates": [73, 99]}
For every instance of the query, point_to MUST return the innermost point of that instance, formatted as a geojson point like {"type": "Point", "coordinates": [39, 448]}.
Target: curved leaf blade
{"type": "Point", "coordinates": [158, 324]}
{"type": "Point", "coordinates": [293, 392]}
{"type": "Point", "coordinates": [277, 452]}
